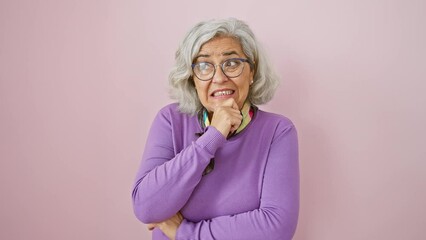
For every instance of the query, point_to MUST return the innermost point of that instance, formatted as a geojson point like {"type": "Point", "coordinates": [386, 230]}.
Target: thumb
{"type": "Point", "coordinates": [230, 103]}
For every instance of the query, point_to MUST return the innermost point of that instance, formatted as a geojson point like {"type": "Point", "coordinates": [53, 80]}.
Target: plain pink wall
{"type": "Point", "coordinates": [80, 82]}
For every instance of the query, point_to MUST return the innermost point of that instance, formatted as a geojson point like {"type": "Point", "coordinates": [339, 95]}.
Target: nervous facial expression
{"type": "Point", "coordinates": [213, 92]}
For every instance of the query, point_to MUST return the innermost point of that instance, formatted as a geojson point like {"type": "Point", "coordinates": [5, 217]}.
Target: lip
{"type": "Point", "coordinates": [220, 90]}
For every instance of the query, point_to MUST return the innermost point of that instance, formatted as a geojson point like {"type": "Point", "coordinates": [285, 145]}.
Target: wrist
{"type": "Point", "coordinates": [223, 130]}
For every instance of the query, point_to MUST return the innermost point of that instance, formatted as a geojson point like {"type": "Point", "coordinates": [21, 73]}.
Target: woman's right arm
{"type": "Point", "coordinates": [165, 180]}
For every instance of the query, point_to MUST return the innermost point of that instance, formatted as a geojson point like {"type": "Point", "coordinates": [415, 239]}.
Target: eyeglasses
{"type": "Point", "coordinates": [232, 68]}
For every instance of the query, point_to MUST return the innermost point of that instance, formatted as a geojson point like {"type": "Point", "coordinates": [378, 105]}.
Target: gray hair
{"type": "Point", "coordinates": [181, 80]}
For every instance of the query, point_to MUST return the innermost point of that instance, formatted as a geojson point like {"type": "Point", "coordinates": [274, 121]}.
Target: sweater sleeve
{"type": "Point", "coordinates": [165, 180]}
{"type": "Point", "coordinates": [277, 216]}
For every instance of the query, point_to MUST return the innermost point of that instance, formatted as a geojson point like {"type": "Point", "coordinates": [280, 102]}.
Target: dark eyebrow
{"type": "Point", "coordinates": [229, 53]}
{"type": "Point", "coordinates": [201, 55]}
{"type": "Point", "coordinates": [223, 54]}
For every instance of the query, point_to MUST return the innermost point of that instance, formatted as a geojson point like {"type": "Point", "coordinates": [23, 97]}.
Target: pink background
{"type": "Point", "coordinates": [80, 82]}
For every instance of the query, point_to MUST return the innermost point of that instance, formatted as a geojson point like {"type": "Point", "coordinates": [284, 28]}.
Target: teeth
{"type": "Point", "coordinates": [222, 93]}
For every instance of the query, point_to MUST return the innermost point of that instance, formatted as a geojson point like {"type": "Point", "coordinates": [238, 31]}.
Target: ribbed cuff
{"type": "Point", "coordinates": [211, 140]}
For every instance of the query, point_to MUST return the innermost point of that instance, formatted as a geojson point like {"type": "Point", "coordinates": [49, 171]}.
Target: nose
{"type": "Point", "coordinates": [219, 76]}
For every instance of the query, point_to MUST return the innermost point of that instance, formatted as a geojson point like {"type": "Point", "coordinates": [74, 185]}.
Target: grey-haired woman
{"type": "Point", "coordinates": [215, 166]}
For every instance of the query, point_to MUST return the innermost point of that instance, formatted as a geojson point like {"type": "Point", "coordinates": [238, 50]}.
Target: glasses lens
{"type": "Point", "coordinates": [233, 67]}
{"type": "Point", "coordinates": [204, 70]}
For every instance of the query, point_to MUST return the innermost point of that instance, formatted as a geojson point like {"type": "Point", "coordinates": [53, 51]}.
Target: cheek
{"type": "Point", "coordinates": [245, 85]}
{"type": "Point", "coordinates": [244, 90]}
{"type": "Point", "coordinates": [201, 90]}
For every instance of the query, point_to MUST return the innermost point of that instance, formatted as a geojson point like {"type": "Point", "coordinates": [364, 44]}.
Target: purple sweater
{"type": "Point", "coordinates": [252, 193]}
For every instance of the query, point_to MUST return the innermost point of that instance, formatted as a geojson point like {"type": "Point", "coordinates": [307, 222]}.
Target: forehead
{"type": "Point", "coordinates": [220, 45]}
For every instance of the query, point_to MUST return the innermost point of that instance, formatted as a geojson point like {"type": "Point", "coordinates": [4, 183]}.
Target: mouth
{"type": "Point", "coordinates": [221, 93]}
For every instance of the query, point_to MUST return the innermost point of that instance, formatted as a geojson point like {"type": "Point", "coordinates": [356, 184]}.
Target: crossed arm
{"type": "Point", "coordinates": [166, 180]}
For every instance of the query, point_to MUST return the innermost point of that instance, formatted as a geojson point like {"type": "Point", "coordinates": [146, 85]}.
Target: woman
{"type": "Point", "coordinates": [215, 166]}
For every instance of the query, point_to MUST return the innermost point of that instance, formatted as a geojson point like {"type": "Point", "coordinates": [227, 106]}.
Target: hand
{"type": "Point", "coordinates": [226, 117]}
{"type": "Point", "coordinates": [169, 227]}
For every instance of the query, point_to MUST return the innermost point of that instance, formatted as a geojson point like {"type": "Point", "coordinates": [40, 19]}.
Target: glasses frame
{"type": "Point", "coordinates": [222, 68]}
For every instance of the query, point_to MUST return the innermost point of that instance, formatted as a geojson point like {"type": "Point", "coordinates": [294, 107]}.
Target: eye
{"type": "Point", "coordinates": [204, 66]}
{"type": "Point", "coordinates": [232, 63]}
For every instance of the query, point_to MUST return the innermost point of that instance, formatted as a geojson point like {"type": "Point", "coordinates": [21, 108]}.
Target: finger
{"type": "Point", "coordinates": [226, 111]}
{"type": "Point", "coordinates": [226, 103]}
{"type": "Point", "coordinates": [234, 127]}
{"type": "Point", "coordinates": [236, 113]}
{"type": "Point", "coordinates": [235, 105]}
{"type": "Point", "coordinates": [236, 122]}
{"type": "Point", "coordinates": [232, 103]}
{"type": "Point", "coordinates": [151, 226]}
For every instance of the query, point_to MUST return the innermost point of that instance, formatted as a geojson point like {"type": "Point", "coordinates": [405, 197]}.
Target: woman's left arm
{"type": "Point", "coordinates": [277, 215]}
